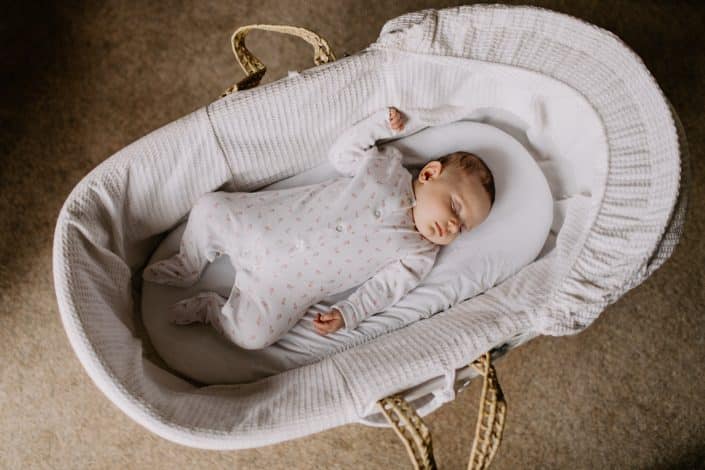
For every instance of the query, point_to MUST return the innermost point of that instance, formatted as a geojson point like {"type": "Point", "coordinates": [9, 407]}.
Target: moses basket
{"type": "Point", "coordinates": [609, 242]}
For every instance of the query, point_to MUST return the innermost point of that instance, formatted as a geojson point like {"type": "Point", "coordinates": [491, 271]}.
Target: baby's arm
{"type": "Point", "coordinates": [386, 287]}
{"type": "Point", "coordinates": [348, 153]}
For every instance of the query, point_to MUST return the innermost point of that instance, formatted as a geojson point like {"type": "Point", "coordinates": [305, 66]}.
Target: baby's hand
{"type": "Point", "coordinates": [396, 119]}
{"type": "Point", "coordinates": [328, 322]}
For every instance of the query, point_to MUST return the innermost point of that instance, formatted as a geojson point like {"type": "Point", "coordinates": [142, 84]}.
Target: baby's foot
{"type": "Point", "coordinates": [396, 119]}
{"type": "Point", "coordinates": [200, 308]}
{"type": "Point", "coordinates": [171, 272]}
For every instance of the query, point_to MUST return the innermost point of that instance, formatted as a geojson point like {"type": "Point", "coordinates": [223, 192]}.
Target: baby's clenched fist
{"type": "Point", "coordinates": [328, 322]}
{"type": "Point", "coordinates": [396, 119]}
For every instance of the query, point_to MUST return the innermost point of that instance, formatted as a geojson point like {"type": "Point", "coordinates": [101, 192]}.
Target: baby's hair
{"type": "Point", "coordinates": [471, 164]}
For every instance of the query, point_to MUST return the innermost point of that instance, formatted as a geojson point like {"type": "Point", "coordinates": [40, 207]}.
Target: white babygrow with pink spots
{"type": "Point", "coordinates": [290, 248]}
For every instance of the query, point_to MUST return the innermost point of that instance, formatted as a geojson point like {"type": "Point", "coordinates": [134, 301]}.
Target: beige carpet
{"type": "Point", "coordinates": [82, 80]}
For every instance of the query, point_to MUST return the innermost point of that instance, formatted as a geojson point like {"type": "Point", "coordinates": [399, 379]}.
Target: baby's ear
{"type": "Point", "coordinates": [431, 170]}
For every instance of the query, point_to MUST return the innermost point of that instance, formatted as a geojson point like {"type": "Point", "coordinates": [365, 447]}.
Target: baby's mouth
{"type": "Point", "coordinates": [439, 229]}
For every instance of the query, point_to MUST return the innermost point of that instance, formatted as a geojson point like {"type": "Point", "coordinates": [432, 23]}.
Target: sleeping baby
{"type": "Point", "coordinates": [375, 226]}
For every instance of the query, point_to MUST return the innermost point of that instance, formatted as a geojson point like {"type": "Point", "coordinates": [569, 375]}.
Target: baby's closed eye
{"type": "Point", "coordinates": [457, 214]}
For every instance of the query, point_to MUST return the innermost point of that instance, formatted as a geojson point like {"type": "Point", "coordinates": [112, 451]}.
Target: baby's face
{"type": "Point", "coordinates": [447, 202]}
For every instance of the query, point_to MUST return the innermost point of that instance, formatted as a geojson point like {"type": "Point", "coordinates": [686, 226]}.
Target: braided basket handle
{"type": "Point", "coordinates": [416, 437]}
{"type": "Point", "coordinates": [255, 69]}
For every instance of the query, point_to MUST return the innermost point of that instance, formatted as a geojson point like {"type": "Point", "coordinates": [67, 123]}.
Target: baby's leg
{"type": "Point", "coordinates": [200, 244]}
{"type": "Point", "coordinates": [201, 308]}
{"type": "Point", "coordinates": [248, 323]}
{"type": "Point", "coordinates": [238, 318]}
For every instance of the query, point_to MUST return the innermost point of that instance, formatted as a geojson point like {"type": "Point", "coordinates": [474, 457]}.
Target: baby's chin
{"type": "Point", "coordinates": [442, 242]}
{"type": "Point", "coordinates": [433, 238]}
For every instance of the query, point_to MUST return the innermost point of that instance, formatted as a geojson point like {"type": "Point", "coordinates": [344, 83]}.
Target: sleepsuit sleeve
{"type": "Point", "coordinates": [386, 287]}
{"type": "Point", "coordinates": [349, 152]}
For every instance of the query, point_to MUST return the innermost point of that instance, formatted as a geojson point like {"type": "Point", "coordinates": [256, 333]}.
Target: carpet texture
{"type": "Point", "coordinates": [81, 80]}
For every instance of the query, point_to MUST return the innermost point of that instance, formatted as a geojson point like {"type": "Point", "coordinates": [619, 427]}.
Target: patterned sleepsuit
{"type": "Point", "coordinates": [292, 247]}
